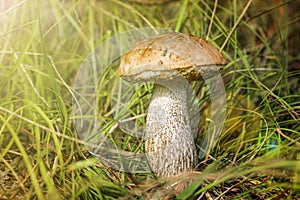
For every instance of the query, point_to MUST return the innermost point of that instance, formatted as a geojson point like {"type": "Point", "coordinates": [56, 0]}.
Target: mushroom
{"type": "Point", "coordinates": [170, 60]}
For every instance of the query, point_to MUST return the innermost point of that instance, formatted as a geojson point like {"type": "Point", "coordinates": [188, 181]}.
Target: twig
{"type": "Point", "coordinates": [236, 24]}
{"type": "Point", "coordinates": [212, 19]}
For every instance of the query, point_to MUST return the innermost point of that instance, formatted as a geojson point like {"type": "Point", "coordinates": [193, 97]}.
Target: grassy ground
{"type": "Point", "coordinates": [43, 44]}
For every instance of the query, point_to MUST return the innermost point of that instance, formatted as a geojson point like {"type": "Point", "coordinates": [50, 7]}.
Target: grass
{"type": "Point", "coordinates": [43, 44]}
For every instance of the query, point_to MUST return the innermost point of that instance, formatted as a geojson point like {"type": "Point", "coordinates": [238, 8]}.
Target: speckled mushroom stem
{"type": "Point", "coordinates": [170, 146]}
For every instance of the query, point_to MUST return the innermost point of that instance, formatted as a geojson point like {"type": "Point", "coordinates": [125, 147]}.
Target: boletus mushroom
{"type": "Point", "coordinates": [170, 60]}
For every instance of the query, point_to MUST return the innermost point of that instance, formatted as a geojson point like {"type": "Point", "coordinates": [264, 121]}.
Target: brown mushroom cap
{"type": "Point", "coordinates": [168, 55]}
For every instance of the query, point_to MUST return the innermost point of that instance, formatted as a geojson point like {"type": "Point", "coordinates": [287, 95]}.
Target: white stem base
{"type": "Point", "coordinates": [170, 144]}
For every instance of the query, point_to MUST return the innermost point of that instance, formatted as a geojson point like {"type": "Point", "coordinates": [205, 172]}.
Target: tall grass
{"type": "Point", "coordinates": [43, 43]}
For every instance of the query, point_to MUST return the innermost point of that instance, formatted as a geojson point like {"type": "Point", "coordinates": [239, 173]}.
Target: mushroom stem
{"type": "Point", "coordinates": [170, 146]}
